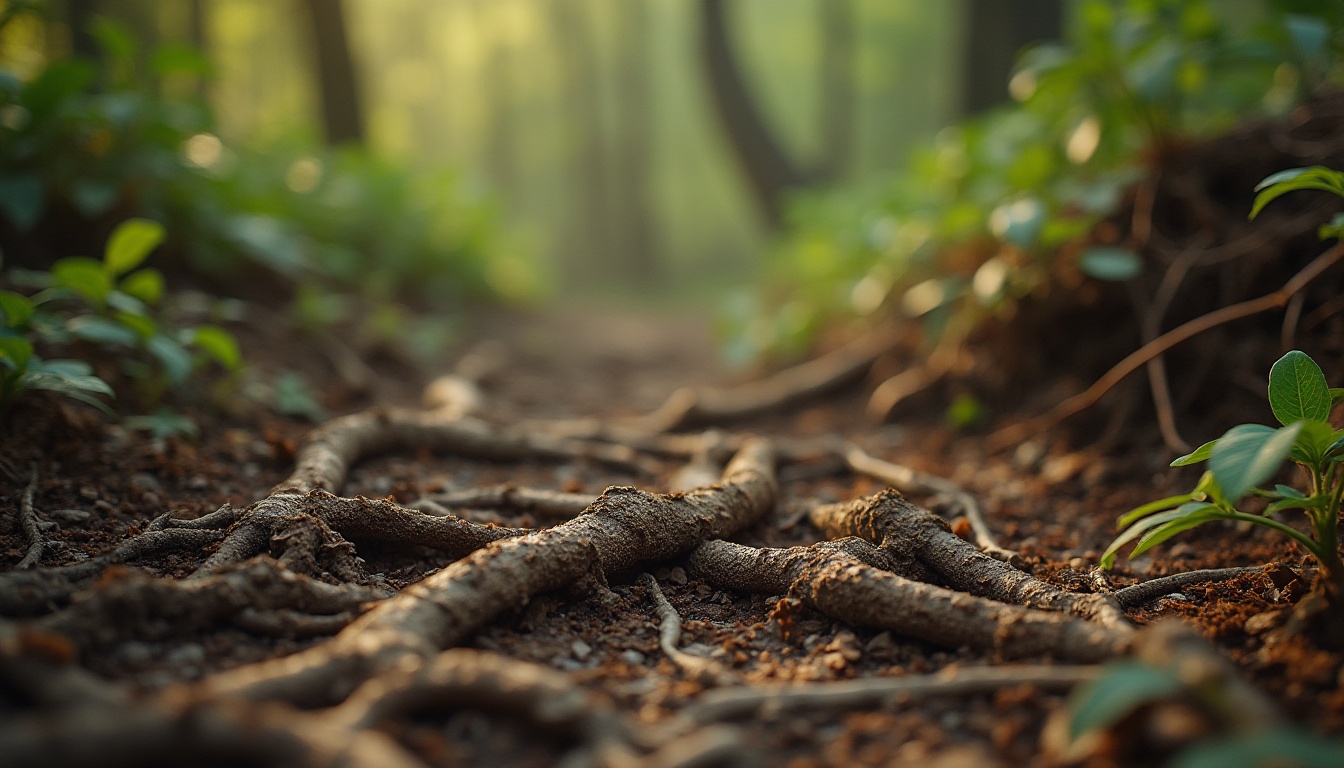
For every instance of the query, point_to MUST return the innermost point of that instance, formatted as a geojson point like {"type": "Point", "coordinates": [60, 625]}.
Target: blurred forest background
{"type": "Point", "coordinates": [590, 123]}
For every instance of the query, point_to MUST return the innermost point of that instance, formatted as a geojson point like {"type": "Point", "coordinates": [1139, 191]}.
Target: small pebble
{"type": "Point", "coordinates": [581, 650]}
{"type": "Point", "coordinates": [632, 657]}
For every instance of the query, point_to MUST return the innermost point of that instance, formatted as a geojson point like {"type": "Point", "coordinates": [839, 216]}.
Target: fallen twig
{"type": "Point", "coordinates": [669, 636]}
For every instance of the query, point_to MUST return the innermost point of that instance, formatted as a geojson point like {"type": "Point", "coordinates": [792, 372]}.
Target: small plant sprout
{"type": "Point", "coordinates": [1247, 457]}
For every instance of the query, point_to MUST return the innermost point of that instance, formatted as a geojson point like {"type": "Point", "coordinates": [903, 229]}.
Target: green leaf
{"type": "Point", "coordinates": [1289, 492]}
{"type": "Point", "coordinates": [101, 330]}
{"type": "Point", "coordinates": [1314, 441]}
{"type": "Point", "coordinates": [1248, 455]}
{"type": "Point", "coordinates": [173, 356]}
{"type": "Point", "coordinates": [1282, 745]}
{"type": "Point", "coordinates": [1297, 389]}
{"type": "Point", "coordinates": [1135, 531]}
{"type": "Point", "coordinates": [58, 82]}
{"type": "Point", "coordinates": [294, 398]}
{"type": "Point", "coordinates": [1189, 516]}
{"type": "Point", "coordinates": [1110, 263]}
{"type": "Point", "coordinates": [1201, 453]}
{"type": "Point", "coordinates": [1276, 185]}
{"type": "Point", "coordinates": [1336, 394]}
{"type": "Point", "coordinates": [1333, 228]}
{"type": "Point", "coordinates": [130, 243]}
{"type": "Point", "coordinates": [85, 277]}
{"type": "Point", "coordinates": [17, 309]}
{"type": "Point", "coordinates": [218, 344]}
{"type": "Point", "coordinates": [145, 285]}
{"type": "Point", "coordinates": [143, 327]}
{"type": "Point", "coordinates": [71, 378]}
{"type": "Point", "coordinates": [1126, 686]}
{"type": "Point", "coordinates": [1171, 502]}
{"type": "Point", "coordinates": [22, 198]}
{"type": "Point", "coordinates": [176, 58]}
{"type": "Point", "coordinates": [16, 350]}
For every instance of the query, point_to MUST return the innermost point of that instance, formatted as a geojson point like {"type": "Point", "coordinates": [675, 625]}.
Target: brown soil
{"type": "Point", "coordinates": [1052, 502]}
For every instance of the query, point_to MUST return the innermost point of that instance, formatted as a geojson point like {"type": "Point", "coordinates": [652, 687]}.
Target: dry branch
{"type": "Point", "coordinates": [834, 582]}
{"type": "Point", "coordinates": [621, 529]}
{"type": "Point", "coordinates": [768, 700]}
{"type": "Point", "coordinates": [892, 522]}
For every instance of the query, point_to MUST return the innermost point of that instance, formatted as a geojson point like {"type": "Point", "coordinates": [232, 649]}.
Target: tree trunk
{"type": "Point", "coordinates": [837, 86]}
{"type": "Point", "coordinates": [638, 250]}
{"type": "Point", "coordinates": [590, 246]}
{"type": "Point", "coordinates": [768, 168]}
{"type": "Point", "coordinates": [342, 118]}
{"type": "Point", "coordinates": [996, 31]}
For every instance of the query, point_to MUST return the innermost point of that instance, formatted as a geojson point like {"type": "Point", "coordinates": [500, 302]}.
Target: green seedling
{"type": "Point", "coordinates": [1246, 458]}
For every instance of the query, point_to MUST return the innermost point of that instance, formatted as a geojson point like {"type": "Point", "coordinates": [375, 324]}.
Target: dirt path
{"type": "Point", "coordinates": [299, 626]}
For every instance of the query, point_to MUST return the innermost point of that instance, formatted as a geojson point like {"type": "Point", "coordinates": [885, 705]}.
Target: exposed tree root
{"type": "Point", "coordinates": [1137, 594]}
{"type": "Point", "coordinates": [26, 593]}
{"type": "Point", "coordinates": [907, 480]}
{"type": "Point", "coordinates": [358, 519]}
{"type": "Point", "coordinates": [830, 579]}
{"type": "Point", "coordinates": [669, 636]}
{"type": "Point", "coordinates": [691, 407]}
{"type": "Point", "coordinates": [554, 504]}
{"type": "Point", "coordinates": [621, 529]}
{"type": "Point", "coordinates": [32, 532]}
{"type": "Point", "coordinates": [130, 605]}
{"type": "Point", "coordinates": [771, 700]}
{"type": "Point", "coordinates": [909, 532]}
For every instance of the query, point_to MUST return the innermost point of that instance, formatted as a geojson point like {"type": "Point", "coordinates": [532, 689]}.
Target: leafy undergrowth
{"type": "Point", "coordinates": [1053, 503]}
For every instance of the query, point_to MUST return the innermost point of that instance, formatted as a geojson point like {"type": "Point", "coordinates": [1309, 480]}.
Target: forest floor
{"type": "Point", "coordinates": [1052, 500]}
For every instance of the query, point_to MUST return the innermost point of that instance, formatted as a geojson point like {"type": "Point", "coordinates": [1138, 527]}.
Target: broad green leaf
{"type": "Point", "coordinates": [1201, 453]}
{"type": "Point", "coordinates": [22, 198]}
{"type": "Point", "coordinates": [1276, 185]}
{"type": "Point", "coordinates": [1314, 441]}
{"type": "Point", "coordinates": [1315, 502]}
{"type": "Point", "coordinates": [71, 378]}
{"type": "Point", "coordinates": [130, 243]}
{"type": "Point", "coordinates": [18, 351]}
{"type": "Point", "coordinates": [101, 330]}
{"type": "Point", "coordinates": [125, 302]}
{"type": "Point", "coordinates": [145, 285]}
{"type": "Point", "coordinates": [143, 327]}
{"type": "Point", "coordinates": [1110, 263]}
{"type": "Point", "coordinates": [218, 344]}
{"type": "Point", "coordinates": [1297, 389]}
{"type": "Point", "coordinates": [17, 309]}
{"type": "Point", "coordinates": [1289, 492]}
{"type": "Point", "coordinates": [1281, 745]}
{"type": "Point", "coordinates": [1248, 455]}
{"type": "Point", "coordinates": [1171, 502]}
{"type": "Point", "coordinates": [1188, 516]}
{"type": "Point", "coordinates": [85, 277]}
{"type": "Point", "coordinates": [1126, 686]}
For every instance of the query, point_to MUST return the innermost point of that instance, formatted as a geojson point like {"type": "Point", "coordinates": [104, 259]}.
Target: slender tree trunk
{"type": "Point", "coordinates": [837, 86]}
{"type": "Point", "coordinates": [769, 171]}
{"type": "Point", "coordinates": [996, 31]}
{"type": "Point", "coordinates": [78, 14]}
{"type": "Point", "coordinates": [589, 162]}
{"type": "Point", "coordinates": [198, 35]}
{"type": "Point", "coordinates": [501, 149]}
{"type": "Point", "coordinates": [342, 117]}
{"type": "Point", "coordinates": [639, 253]}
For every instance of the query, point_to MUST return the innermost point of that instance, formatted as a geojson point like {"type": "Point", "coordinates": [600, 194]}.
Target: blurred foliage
{"type": "Point", "coordinates": [356, 236]}
{"type": "Point", "coordinates": [988, 212]}
{"type": "Point", "coordinates": [108, 304]}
